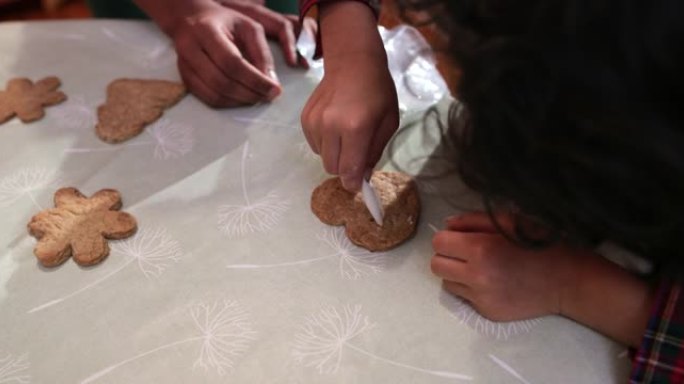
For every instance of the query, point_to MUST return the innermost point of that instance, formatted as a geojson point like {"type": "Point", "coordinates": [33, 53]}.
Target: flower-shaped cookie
{"type": "Point", "coordinates": [25, 99]}
{"type": "Point", "coordinates": [398, 195]}
{"type": "Point", "coordinates": [79, 226]}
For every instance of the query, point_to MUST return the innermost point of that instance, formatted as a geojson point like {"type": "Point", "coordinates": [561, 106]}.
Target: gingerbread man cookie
{"type": "Point", "coordinates": [132, 105]}
{"type": "Point", "coordinates": [398, 194]}
{"type": "Point", "coordinates": [79, 226]}
{"type": "Point", "coordinates": [27, 100]}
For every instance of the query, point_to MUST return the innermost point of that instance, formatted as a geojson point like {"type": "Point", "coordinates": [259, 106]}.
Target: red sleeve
{"type": "Point", "coordinates": [660, 358]}
{"type": "Point", "coordinates": [306, 5]}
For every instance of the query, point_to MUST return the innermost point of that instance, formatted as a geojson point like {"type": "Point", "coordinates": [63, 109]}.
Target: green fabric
{"type": "Point", "coordinates": [116, 9]}
{"type": "Point", "coordinates": [126, 9]}
{"type": "Point", "coordinates": [284, 6]}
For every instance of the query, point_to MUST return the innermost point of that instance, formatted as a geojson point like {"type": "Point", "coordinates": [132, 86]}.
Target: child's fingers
{"type": "Point", "coordinates": [458, 289]}
{"type": "Point", "coordinates": [309, 126]}
{"type": "Point", "coordinates": [452, 244]}
{"type": "Point", "coordinates": [449, 268]}
{"type": "Point", "coordinates": [200, 89]}
{"type": "Point", "coordinates": [330, 152]}
{"type": "Point", "coordinates": [356, 139]}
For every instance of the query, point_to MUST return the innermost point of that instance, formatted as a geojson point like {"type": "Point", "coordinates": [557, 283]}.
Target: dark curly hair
{"type": "Point", "coordinates": [575, 115]}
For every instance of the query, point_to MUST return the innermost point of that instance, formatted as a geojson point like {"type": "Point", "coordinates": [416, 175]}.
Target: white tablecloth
{"type": "Point", "coordinates": [230, 277]}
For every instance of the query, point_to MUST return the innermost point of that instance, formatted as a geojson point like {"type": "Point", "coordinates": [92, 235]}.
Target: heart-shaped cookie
{"type": "Point", "coordinates": [398, 194]}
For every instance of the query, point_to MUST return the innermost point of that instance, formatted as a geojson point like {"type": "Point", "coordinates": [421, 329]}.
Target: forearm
{"type": "Point", "coordinates": [610, 300]}
{"type": "Point", "coordinates": [349, 28]}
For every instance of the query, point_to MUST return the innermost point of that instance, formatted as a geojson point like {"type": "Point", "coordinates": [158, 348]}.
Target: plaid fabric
{"type": "Point", "coordinates": [660, 359]}
{"type": "Point", "coordinates": [305, 7]}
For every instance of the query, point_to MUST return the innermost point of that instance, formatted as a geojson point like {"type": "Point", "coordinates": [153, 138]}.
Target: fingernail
{"type": "Point", "coordinates": [350, 185]}
{"type": "Point", "coordinates": [273, 75]}
{"type": "Point", "coordinates": [273, 93]}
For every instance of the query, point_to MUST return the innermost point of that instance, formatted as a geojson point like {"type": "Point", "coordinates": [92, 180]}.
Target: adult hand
{"type": "Point", "coordinates": [223, 54]}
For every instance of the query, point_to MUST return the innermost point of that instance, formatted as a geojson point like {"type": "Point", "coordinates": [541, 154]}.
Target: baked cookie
{"type": "Point", "coordinates": [27, 100]}
{"type": "Point", "coordinates": [132, 105]}
{"type": "Point", "coordinates": [397, 193]}
{"type": "Point", "coordinates": [79, 226]}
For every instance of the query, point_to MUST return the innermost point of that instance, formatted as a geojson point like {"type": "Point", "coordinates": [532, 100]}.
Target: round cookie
{"type": "Point", "coordinates": [398, 194]}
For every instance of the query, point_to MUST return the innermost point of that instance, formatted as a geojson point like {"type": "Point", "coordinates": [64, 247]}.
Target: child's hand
{"type": "Point", "coordinates": [353, 112]}
{"type": "Point", "coordinates": [502, 281]}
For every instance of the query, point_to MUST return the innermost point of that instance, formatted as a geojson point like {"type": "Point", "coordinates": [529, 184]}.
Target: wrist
{"type": "Point", "coordinates": [608, 299]}
{"type": "Point", "coordinates": [349, 28]}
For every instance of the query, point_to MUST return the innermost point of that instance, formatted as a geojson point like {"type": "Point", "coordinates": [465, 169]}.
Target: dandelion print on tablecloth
{"type": "Point", "coordinates": [76, 113]}
{"type": "Point", "coordinates": [13, 370]}
{"type": "Point", "coordinates": [264, 122]}
{"type": "Point", "coordinates": [158, 54]}
{"type": "Point", "coordinates": [170, 141]}
{"type": "Point", "coordinates": [235, 220]}
{"type": "Point", "coordinates": [508, 368]}
{"type": "Point", "coordinates": [25, 183]}
{"type": "Point", "coordinates": [325, 335]}
{"type": "Point", "coordinates": [153, 250]}
{"type": "Point", "coordinates": [306, 152]}
{"type": "Point", "coordinates": [224, 332]}
{"type": "Point", "coordinates": [354, 262]}
{"type": "Point", "coordinates": [462, 311]}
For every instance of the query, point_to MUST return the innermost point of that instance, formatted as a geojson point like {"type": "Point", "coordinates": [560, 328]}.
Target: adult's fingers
{"type": "Point", "coordinates": [211, 75]}
{"type": "Point", "coordinates": [251, 38]}
{"type": "Point", "coordinates": [226, 55]}
{"type": "Point", "coordinates": [200, 89]}
{"type": "Point", "coordinates": [274, 24]}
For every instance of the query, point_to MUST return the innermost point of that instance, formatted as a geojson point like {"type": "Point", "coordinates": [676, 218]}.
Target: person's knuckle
{"type": "Point", "coordinates": [229, 63]}
{"type": "Point", "coordinates": [479, 250]}
{"type": "Point", "coordinates": [215, 78]}
{"type": "Point", "coordinates": [256, 28]}
{"type": "Point", "coordinates": [483, 278]}
{"type": "Point", "coordinates": [350, 170]}
{"type": "Point", "coordinates": [353, 125]}
{"type": "Point", "coordinates": [328, 117]}
{"type": "Point", "coordinates": [284, 26]}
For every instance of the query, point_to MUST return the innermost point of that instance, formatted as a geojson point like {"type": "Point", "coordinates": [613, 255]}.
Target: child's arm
{"type": "Point", "coordinates": [353, 112]}
{"type": "Point", "coordinates": [223, 54]}
{"type": "Point", "coordinates": [504, 282]}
